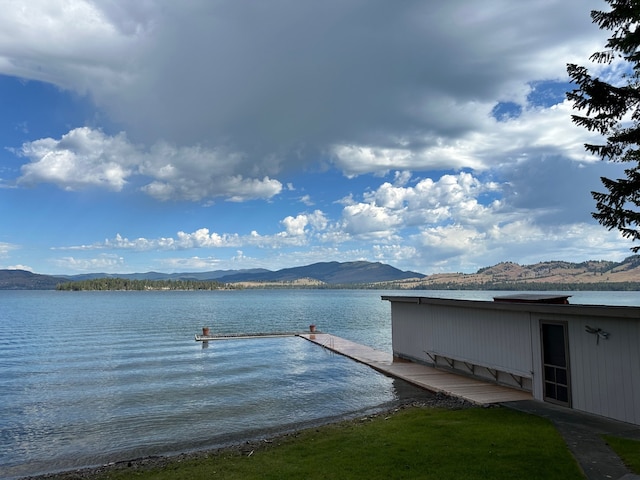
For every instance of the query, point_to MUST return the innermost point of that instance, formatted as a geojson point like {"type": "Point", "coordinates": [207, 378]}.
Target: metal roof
{"type": "Point", "coordinates": [613, 311]}
{"type": "Point", "coordinates": [533, 298]}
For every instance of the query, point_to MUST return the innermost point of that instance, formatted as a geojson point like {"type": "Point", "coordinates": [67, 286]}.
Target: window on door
{"type": "Point", "coordinates": [555, 353]}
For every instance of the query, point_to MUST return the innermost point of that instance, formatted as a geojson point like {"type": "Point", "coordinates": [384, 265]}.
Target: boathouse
{"type": "Point", "coordinates": [585, 357]}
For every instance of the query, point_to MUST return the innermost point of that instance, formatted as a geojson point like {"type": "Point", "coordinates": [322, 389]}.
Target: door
{"type": "Point", "coordinates": [555, 361]}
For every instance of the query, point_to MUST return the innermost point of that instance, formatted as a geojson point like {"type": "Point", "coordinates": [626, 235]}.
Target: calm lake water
{"type": "Point", "coordinates": [88, 378]}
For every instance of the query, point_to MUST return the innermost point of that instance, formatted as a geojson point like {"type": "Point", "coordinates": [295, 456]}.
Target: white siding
{"type": "Point", "coordinates": [495, 339]}
{"type": "Point", "coordinates": [408, 329]}
{"type": "Point", "coordinates": [605, 374]}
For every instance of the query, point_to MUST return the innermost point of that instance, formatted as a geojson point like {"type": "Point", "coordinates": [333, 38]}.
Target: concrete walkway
{"type": "Point", "coordinates": [581, 431]}
{"type": "Point", "coordinates": [583, 434]}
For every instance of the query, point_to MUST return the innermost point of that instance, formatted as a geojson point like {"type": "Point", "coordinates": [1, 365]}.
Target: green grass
{"type": "Point", "coordinates": [414, 443]}
{"type": "Point", "coordinates": [628, 450]}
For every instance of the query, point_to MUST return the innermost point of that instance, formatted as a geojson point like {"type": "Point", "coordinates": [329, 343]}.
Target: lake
{"type": "Point", "coordinates": [88, 378]}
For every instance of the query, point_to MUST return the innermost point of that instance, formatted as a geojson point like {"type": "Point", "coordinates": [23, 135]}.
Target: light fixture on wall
{"type": "Point", "coordinates": [598, 332]}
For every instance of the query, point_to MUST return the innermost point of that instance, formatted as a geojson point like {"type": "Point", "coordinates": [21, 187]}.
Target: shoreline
{"type": "Point", "coordinates": [247, 446]}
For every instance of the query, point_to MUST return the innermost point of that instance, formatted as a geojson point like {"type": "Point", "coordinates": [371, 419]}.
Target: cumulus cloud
{"type": "Point", "coordinates": [424, 224]}
{"type": "Point", "coordinates": [316, 221]}
{"type": "Point", "coordinates": [451, 198]}
{"type": "Point", "coordinates": [83, 157]}
{"type": "Point", "coordinates": [294, 234]}
{"type": "Point", "coordinates": [87, 157]}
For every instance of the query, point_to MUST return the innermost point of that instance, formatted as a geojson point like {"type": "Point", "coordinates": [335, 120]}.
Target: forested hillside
{"type": "Point", "coordinates": [127, 284]}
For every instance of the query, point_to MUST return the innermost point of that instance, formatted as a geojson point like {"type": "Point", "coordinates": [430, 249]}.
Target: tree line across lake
{"type": "Point", "coordinates": [140, 285]}
{"type": "Point", "coordinates": [129, 284]}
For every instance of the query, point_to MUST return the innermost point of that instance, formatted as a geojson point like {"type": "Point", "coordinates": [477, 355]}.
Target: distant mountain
{"type": "Point", "coordinates": [546, 275]}
{"type": "Point", "coordinates": [505, 275]}
{"type": "Point", "coordinates": [332, 273]}
{"type": "Point", "coordinates": [23, 280]}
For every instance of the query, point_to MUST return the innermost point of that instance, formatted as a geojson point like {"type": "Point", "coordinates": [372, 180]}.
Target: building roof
{"type": "Point", "coordinates": [533, 298]}
{"type": "Point", "coordinates": [613, 311]}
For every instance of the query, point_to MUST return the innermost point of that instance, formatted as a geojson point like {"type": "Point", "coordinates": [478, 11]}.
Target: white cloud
{"type": "Point", "coordinates": [294, 234]}
{"type": "Point", "coordinates": [20, 267]}
{"type": "Point", "coordinates": [452, 198]}
{"type": "Point", "coordinates": [306, 199]}
{"type": "Point", "coordinates": [452, 239]}
{"type": "Point", "coordinates": [190, 264]}
{"type": "Point", "coordinates": [201, 238]}
{"type": "Point", "coordinates": [81, 158]}
{"type": "Point", "coordinates": [367, 220]}
{"type": "Point", "coordinates": [295, 226]}
{"type": "Point", "coordinates": [86, 157]}
{"type": "Point", "coordinates": [72, 44]}
{"type": "Point", "coordinates": [5, 248]}
{"type": "Point", "coordinates": [102, 263]}
{"type": "Point", "coordinates": [397, 255]}
{"type": "Point", "coordinates": [491, 143]}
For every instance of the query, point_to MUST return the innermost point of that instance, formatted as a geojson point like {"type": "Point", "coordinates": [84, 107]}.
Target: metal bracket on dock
{"type": "Point", "coordinates": [517, 378]}
{"type": "Point", "coordinates": [450, 361]}
{"type": "Point", "coordinates": [434, 357]}
{"type": "Point", "coordinates": [471, 367]}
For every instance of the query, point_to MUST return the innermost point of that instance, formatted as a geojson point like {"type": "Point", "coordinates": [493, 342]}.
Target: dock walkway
{"type": "Point", "coordinates": [435, 380]}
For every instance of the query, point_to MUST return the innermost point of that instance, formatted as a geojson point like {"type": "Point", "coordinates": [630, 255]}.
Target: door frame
{"type": "Point", "coordinates": [567, 367]}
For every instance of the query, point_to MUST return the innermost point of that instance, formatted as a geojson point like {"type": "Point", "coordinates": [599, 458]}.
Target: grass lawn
{"type": "Point", "coordinates": [412, 443]}
{"type": "Point", "coordinates": [628, 450]}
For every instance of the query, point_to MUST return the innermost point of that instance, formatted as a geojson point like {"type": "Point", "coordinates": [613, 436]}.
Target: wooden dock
{"type": "Point", "coordinates": [243, 336]}
{"type": "Point", "coordinates": [429, 378]}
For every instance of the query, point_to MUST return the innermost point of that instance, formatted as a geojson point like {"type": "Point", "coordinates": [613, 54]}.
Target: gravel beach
{"type": "Point", "coordinates": [246, 447]}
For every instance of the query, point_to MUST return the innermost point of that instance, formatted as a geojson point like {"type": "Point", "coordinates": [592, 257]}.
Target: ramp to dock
{"type": "Point", "coordinates": [429, 378]}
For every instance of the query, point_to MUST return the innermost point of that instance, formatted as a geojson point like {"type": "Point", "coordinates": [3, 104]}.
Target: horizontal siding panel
{"type": "Point", "coordinates": [499, 340]}
{"type": "Point", "coordinates": [605, 374]}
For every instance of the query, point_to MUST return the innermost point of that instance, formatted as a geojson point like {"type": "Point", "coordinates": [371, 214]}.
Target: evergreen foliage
{"type": "Point", "coordinates": [128, 284]}
{"type": "Point", "coordinates": [613, 111]}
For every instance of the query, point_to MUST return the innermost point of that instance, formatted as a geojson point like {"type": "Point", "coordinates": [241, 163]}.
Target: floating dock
{"type": "Point", "coordinates": [473, 390]}
{"type": "Point", "coordinates": [232, 336]}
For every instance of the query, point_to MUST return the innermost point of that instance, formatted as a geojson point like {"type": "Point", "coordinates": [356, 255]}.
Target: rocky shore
{"type": "Point", "coordinates": [244, 448]}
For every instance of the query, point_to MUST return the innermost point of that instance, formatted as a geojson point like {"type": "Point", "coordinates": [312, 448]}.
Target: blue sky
{"type": "Point", "coordinates": [213, 135]}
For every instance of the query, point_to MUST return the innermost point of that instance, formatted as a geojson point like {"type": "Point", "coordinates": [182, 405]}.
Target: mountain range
{"type": "Point", "coordinates": [374, 275]}
{"type": "Point", "coordinates": [324, 273]}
